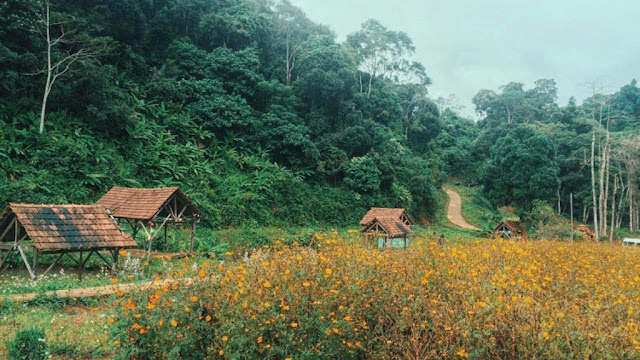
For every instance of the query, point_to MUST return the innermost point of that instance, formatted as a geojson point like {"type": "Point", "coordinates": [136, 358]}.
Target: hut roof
{"type": "Point", "coordinates": [392, 225]}
{"type": "Point", "coordinates": [65, 227]}
{"type": "Point", "coordinates": [511, 224]}
{"type": "Point", "coordinates": [382, 213]}
{"type": "Point", "coordinates": [142, 204]}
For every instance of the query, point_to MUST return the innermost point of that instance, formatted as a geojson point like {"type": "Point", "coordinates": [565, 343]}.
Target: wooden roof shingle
{"type": "Point", "coordinates": [382, 213]}
{"type": "Point", "coordinates": [392, 225]}
{"type": "Point", "coordinates": [141, 203]}
{"type": "Point", "coordinates": [67, 227]}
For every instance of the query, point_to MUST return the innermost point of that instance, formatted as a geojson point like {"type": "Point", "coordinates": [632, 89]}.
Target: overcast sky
{"type": "Point", "coordinates": [469, 45]}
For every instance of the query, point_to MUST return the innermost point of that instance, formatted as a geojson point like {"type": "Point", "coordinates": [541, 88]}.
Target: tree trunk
{"type": "Point", "coordinates": [613, 207]}
{"type": "Point", "coordinates": [47, 85]}
{"type": "Point", "coordinates": [605, 202]}
{"type": "Point", "coordinates": [593, 185]}
{"type": "Point", "coordinates": [370, 83]}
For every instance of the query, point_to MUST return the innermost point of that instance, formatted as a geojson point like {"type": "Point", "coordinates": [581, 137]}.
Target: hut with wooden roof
{"type": "Point", "coordinates": [510, 229]}
{"type": "Point", "coordinates": [389, 226]}
{"type": "Point", "coordinates": [375, 212]}
{"type": "Point", "coordinates": [59, 229]}
{"type": "Point", "coordinates": [152, 210]}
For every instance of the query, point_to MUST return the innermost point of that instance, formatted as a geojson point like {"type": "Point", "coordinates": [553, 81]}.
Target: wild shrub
{"type": "Point", "coordinates": [28, 344]}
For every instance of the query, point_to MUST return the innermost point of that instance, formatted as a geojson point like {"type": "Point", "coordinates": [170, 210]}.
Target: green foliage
{"type": "Point", "coordinates": [363, 175]}
{"type": "Point", "coordinates": [522, 168]}
{"type": "Point", "coordinates": [546, 223]}
{"type": "Point", "coordinates": [195, 94]}
{"type": "Point", "coordinates": [28, 344]}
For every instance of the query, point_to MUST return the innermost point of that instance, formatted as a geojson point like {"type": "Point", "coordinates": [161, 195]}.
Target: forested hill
{"type": "Point", "coordinates": [263, 117]}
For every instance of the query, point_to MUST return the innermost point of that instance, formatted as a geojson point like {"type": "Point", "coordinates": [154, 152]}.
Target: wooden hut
{"type": "Point", "coordinates": [397, 213]}
{"type": "Point", "coordinates": [388, 231]}
{"type": "Point", "coordinates": [152, 210]}
{"type": "Point", "coordinates": [59, 229]}
{"type": "Point", "coordinates": [388, 225]}
{"type": "Point", "coordinates": [510, 229]}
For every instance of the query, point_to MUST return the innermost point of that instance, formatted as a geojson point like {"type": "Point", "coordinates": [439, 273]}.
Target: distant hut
{"type": "Point", "coordinates": [152, 210]}
{"type": "Point", "coordinates": [510, 229]}
{"type": "Point", "coordinates": [398, 213]}
{"type": "Point", "coordinates": [61, 230]}
{"type": "Point", "coordinates": [390, 226]}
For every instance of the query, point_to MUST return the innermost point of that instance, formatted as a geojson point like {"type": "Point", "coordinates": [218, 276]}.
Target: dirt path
{"type": "Point", "coordinates": [94, 291]}
{"type": "Point", "coordinates": [454, 211]}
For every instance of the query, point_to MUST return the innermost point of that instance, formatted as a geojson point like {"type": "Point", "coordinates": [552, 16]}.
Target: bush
{"type": "Point", "coordinates": [28, 344]}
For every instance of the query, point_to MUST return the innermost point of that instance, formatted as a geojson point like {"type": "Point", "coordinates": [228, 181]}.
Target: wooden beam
{"type": "Point", "coordinates": [103, 259]}
{"type": "Point", "coordinates": [15, 219]}
{"type": "Point", "coordinates": [5, 258]}
{"type": "Point", "coordinates": [26, 262]}
{"type": "Point", "coordinates": [35, 262]}
{"type": "Point", "coordinates": [52, 264]}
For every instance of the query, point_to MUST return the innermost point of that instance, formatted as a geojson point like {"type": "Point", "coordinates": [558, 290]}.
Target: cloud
{"type": "Point", "coordinates": [469, 45]}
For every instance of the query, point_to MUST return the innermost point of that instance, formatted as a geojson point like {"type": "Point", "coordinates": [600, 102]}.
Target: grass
{"type": "Point", "coordinates": [476, 208]}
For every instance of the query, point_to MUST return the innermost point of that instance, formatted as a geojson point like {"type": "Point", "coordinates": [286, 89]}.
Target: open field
{"type": "Point", "coordinates": [477, 299]}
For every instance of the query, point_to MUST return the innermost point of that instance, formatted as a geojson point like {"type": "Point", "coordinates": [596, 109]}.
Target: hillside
{"type": "Point", "coordinates": [265, 119]}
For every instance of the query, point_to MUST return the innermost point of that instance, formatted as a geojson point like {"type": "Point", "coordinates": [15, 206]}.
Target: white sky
{"type": "Point", "coordinates": [469, 45]}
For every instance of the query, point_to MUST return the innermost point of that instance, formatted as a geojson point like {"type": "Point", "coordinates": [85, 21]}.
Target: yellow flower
{"type": "Point", "coordinates": [306, 284]}
{"type": "Point", "coordinates": [194, 298]}
{"type": "Point", "coordinates": [208, 318]}
{"type": "Point", "coordinates": [116, 342]}
{"type": "Point", "coordinates": [266, 284]}
{"type": "Point", "coordinates": [111, 320]}
{"type": "Point", "coordinates": [225, 338]}
{"type": "Point", "coordinates": [174, 323]}
{"type": "Point", "coordinates": [187, 309]}
{"type": "Point", "coordinates": [294, 324]}
{"type": "Point", "coordinates": [221, 352]}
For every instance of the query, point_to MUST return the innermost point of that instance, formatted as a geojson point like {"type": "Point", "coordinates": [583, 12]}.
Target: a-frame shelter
{"type": "Point", "coordinates": [152, 210]}
{"type": "Point", "coordinates": [59, 229]}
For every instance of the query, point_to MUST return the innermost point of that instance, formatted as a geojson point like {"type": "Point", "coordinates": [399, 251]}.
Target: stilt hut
{"type": "Point", "coordinates": [509, 229]}
{"type": "Point", "coordinates": [152, 210]}
{"type": "Point", "coordinates": [390, 226]}
{"type": "Point", "coordinates": [59, 229]}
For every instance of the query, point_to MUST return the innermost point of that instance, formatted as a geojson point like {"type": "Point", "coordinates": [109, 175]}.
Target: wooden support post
{"type": "Point", "coordinates": [165, 238]}
{"type": "Point", "coordinates": [80, 266]}
{"type": "Point", "coordinates": [115, 254]}
{"type": "Point", "coordinates": [35, 262]}
{"type": "Point", "coordinates": [26, 262]}
{"type": "Point", "coordinates": [52, 265]}
{"type": "Point", "coordinates": [6, 230]}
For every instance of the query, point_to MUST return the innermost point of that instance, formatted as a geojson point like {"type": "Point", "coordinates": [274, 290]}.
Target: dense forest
{"type": "Point", "coordinates": [263, 117]}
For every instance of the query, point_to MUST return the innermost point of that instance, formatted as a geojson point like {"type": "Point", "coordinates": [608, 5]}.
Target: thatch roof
{"type": "Point", "coordinates": [385, 213]}
{"type": "Point", "coordinates": [64, 227]}
{"type": "Point", "coordinates": [393, 226]}
{"type": "Point", "coordinates": [143, 204]}
{"type": "Point", "coordinates": [512, 225]}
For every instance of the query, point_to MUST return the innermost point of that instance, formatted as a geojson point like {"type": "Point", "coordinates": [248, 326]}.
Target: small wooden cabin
{"type": "Point", "coordinates": [61, 230]}
{"type": "Point", "coordinates": [389, 232]}
{"type": "Point", "coordinates": [398, 213]}
{"type": "Point", "coordinates": [510, 229]}
{"type": "Point", "coordinates": [390, 226]}
{"type": "Point", "coordinates": [152, 210]}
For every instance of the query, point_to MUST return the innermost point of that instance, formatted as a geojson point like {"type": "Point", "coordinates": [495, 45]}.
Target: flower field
{"type": "Point", "coordinates": [479, 300]}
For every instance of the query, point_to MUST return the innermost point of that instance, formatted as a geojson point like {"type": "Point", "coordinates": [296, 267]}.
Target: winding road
{"type": "Point", "coordinates": [454, 211]}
